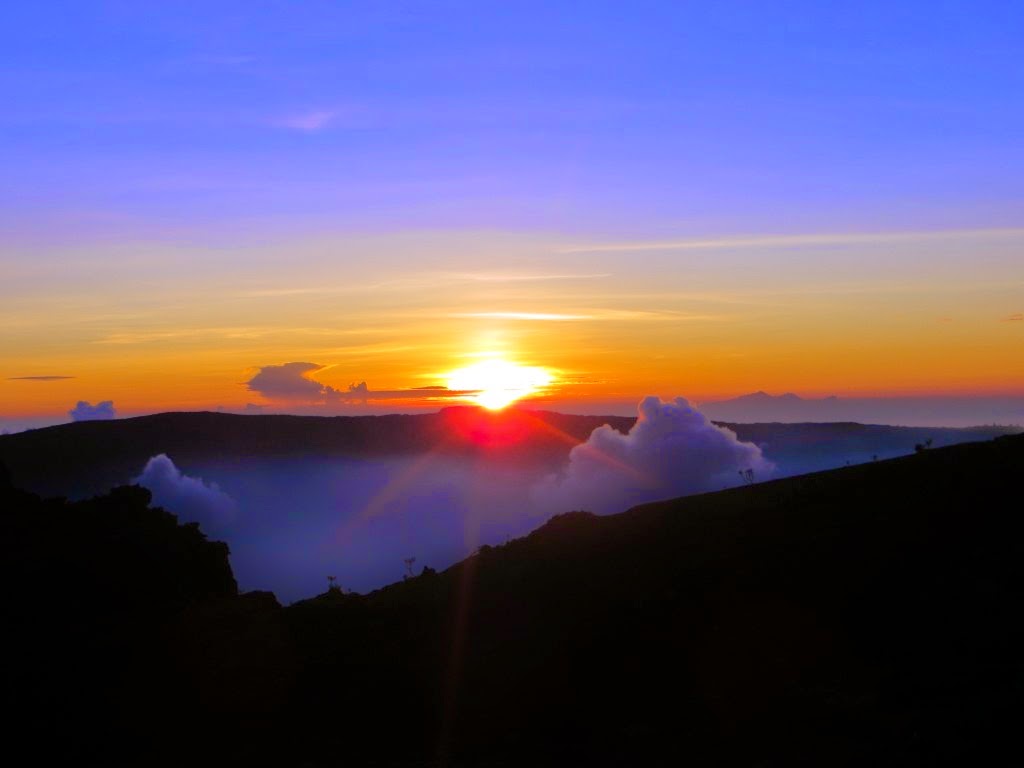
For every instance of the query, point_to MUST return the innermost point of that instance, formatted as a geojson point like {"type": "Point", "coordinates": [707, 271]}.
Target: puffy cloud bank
{"type": "Point", "coordinates": [672, 450]}
{"type": "Point", "coordinates": [291, 382]}
{"type": "Point", "coordinates": [84, 411]}
{"type": "Point", "coordinates": [190, 498]}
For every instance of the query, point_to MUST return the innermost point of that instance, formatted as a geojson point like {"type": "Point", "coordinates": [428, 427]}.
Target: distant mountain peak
{"type": "Point", "coordinates": [763, 397]}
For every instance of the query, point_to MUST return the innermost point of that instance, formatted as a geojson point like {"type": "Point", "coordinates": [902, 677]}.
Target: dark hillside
{"type": "Point", "coordinates": [89, 590]}
{"type": "Point", "coordinates": [862, 616]}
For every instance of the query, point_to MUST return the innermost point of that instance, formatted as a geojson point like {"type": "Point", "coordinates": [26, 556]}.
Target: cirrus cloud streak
{"type": "Point", "coordinates": [293, 382]}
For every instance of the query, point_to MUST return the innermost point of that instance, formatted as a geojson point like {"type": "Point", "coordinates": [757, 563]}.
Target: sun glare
{"type": "Point", "coordinates": [498, 383]}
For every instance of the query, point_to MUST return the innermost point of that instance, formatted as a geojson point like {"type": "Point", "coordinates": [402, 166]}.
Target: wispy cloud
{"type": "Point", "coordinates": [412, 282]}
{"type": "Point", "coordinates": [308, 122]}
{"type": "Point", "coordinates": [523, 316]}
{"type": "Point", "coordinates": [38, 378]}
{"type": "Point", "coordinates": [261, 293]}
{"type": "Point", "coordinates": [784, 240]}
{"type": "Point", "coordinates": [1014, 318]}
{"type": "Point", "coordinates": [407, 283]}
{"type": "Point", "coordinates": [649, 315]}
{"type": "Point", "coordinates": [597, 314]}
{"type": "Point", "coordinates": [224, 59]}
{"type": "Point", "coordinates": [210, 62]}
{"type": "Point", "coordinates": [185, 334]}
{"type": "Point", "coordinates": [486, 277]}
{"type": "Point", "coordinates": [293, 382]}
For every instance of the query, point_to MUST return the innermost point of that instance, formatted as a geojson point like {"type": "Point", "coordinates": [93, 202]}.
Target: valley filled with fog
{"type": "Point", "coordinates": [292, 521]}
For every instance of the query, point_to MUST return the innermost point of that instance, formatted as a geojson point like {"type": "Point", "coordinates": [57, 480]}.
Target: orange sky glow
{"type": "Point", "coordinates": [180, 327]}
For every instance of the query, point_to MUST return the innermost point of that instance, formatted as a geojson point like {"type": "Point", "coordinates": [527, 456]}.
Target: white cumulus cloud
{"type": "Point", "coordinates": [84, 411]}
{"type": "Point", "coordinates": [190, 498]}
{"type": "Point", "coordinates": [672, 450]}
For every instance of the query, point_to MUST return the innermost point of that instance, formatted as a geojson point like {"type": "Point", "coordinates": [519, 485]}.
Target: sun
{"type": "Point", "coordinates": [498, 383]}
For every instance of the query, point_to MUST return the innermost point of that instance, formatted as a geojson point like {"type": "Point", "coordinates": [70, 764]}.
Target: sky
{"type": "Point", "coordinates": [653, 198]}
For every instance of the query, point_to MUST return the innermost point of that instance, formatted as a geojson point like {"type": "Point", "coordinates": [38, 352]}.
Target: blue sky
{"type": "Point", "coordinates": [225, 120]}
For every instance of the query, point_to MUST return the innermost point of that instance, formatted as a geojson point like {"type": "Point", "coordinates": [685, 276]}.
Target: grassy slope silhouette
{"type": "Point", "coordinates": [867, 615]}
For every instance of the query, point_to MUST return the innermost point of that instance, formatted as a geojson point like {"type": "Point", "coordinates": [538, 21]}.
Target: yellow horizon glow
{"type": "Point", "coordinates": [179, 327]}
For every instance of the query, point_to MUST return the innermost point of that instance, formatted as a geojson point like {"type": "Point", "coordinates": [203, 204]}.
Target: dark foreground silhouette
{"type": "Point", "coordinates": [863, 616]}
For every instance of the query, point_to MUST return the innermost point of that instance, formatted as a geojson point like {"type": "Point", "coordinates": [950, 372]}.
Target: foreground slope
{"type": "Point", "coordinates": [856, 616]}
{"type": "Point", "coordinates": [90, 589]}
{"type": "Point", "coordinates": [868, 615]}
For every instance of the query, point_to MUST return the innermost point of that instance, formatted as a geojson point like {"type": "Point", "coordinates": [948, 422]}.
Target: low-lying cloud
{"type": "Point", "coordinates": [292, 382]}
{"type": "Point", "coordinates": [38, 378]}
{"type": "Point", "coordinates": [190, 498]}
{"type": "Point", "coordinates": [362, 393]}
{"type": "Point", "coordinates": [672, 450]}
{"type": "Point", "coordinates": [85, 411]}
